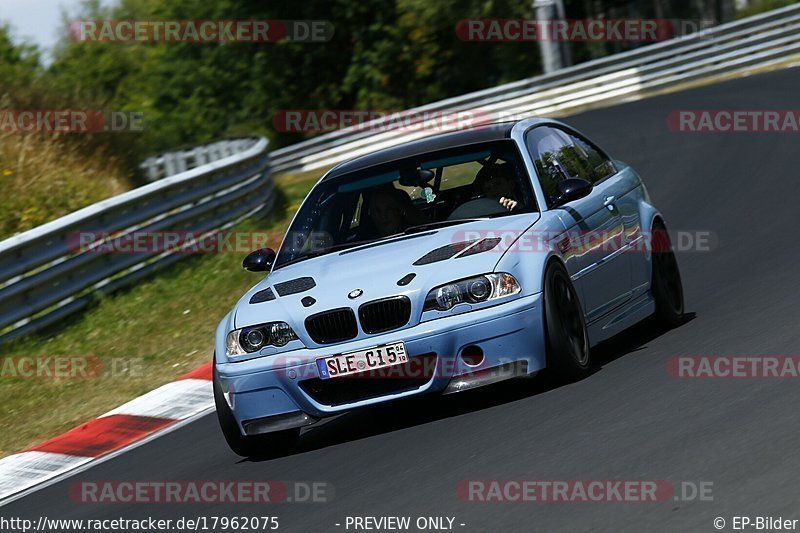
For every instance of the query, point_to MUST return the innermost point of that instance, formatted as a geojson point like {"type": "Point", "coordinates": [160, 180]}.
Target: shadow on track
{"type": "Point", "coordinates": [408, 412]}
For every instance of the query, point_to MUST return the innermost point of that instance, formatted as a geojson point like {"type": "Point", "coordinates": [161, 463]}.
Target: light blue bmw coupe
{"type": "Point", "coordinates": [438, 266]}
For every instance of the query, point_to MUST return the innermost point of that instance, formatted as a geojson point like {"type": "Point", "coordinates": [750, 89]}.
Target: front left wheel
{"type": "Point", "coordinates": [249, 445]}
{"type": "Point", "coordinates": [567, 341]}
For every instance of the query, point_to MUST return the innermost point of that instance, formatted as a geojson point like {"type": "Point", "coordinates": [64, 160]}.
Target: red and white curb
{"type": "Point", "coordinates": [110, 433]}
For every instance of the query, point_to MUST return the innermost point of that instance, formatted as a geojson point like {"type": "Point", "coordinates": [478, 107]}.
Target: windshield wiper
{"type": "Point", "coordinates": [440, 224]}
{"type": "Point", "coordinates": [326, 250]}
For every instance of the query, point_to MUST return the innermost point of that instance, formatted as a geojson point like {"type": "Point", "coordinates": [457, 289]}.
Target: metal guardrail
{"type": "Point", "coordinates": [45, 277]}
{"type": "Point", "coordinates": [759, 40]}
{"type": "Point", "coordinates": [169, 164]}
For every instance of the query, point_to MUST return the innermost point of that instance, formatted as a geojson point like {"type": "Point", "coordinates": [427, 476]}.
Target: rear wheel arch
{"type": "Point", "coordinates": [657, 223]}
{"type": "Point", "coordinates": [657, 219]}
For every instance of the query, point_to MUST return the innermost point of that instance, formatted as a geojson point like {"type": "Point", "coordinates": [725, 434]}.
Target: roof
{"type": "Point", "coordinates": [493, 132]}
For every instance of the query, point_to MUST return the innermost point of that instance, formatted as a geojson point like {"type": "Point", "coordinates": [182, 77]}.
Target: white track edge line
{"type": "Point", "coordinates": [107, 457]}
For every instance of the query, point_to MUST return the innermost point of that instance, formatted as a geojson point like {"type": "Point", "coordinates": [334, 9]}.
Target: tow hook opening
{"type": "Point", "coordinates": [472, 355]}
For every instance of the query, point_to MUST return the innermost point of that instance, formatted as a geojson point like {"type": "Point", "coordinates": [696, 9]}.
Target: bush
{"type": "Point", "coordinates": [44, 176]}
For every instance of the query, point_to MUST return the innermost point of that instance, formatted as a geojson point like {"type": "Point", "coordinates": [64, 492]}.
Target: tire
{"type": "Point", "coordinates": [566, 339]}
{"type": "Point", "coordinates": [665, 279]}
{"type": "Point", "coordinates": [253, 445]}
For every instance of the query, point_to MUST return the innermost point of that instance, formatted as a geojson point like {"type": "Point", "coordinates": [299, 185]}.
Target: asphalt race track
{"type": "Point", "coordinates": [629, 421]}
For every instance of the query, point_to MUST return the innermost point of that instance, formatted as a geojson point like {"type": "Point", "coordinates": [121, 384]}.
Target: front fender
{"type": "Point", "coordinates": [528, 256]}
{"type": "Point", "coordinates": [225, 325]}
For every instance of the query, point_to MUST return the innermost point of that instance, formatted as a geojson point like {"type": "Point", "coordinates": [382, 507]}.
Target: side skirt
{"type": "Point", "coordinates": [622, 318]}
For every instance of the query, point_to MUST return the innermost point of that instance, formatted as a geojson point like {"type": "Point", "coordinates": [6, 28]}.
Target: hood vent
{"type": "Point", "coordinates": [295, 286]}
{"type": "Point", "coordinates": [442, 254]}
{"type": "Point", "coordinates": [405, 280]}
{"type": "Point", "coordinates": [262, 296]}
{"type": "Point", "coordinates": [484, 246]}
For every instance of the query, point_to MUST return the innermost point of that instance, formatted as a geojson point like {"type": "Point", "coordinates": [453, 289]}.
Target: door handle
{"type": "Point", "coordinates": [609, 202]}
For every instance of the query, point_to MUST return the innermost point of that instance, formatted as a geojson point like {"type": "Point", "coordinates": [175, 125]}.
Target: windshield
{"type": "Point", "coordinates": [425, 192]}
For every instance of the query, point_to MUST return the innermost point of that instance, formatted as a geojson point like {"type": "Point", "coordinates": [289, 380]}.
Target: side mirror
{"type": "Point", "coordinates": [572, 189]}
{"type": "Point", "coordinates": [259, 261]}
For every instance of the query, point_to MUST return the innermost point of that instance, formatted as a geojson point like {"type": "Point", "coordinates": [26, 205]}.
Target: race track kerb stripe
{"type": "Point", "coordinates": [103, 435]}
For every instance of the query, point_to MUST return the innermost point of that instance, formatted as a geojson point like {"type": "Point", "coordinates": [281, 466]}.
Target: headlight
{"type": "Point", "coordinates": [253, 338]}
{"type": "Point", "coordinates": [472, 290]}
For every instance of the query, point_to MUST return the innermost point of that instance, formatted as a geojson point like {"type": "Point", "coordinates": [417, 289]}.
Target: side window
{"type": "Point", "coordinates": [559, 155]}
{"type": "Point", "coordinates": [546, 146]}
{"type": "Point", "coordinates": [599, 166]}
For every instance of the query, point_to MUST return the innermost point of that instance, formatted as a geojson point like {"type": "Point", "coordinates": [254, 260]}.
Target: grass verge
{"type": "Point", "coordinates": [145, 337]}
{"type": "Point", "coordinates": [44, 178]}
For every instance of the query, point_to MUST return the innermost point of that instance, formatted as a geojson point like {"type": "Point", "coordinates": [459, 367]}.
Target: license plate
{"type": "Point", "coordinates": [362, 361]}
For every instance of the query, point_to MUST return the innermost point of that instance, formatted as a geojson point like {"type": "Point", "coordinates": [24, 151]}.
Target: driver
{"type": "Point", "coordinates": [500, 184]}
{"type": "Point", "coordinates": [391, 211]}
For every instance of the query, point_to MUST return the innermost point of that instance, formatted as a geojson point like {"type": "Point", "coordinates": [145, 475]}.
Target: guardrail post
{"type": "Point", "coordinates": [150, 166]}
{"type": "Point", "coordinates": [180, 159]}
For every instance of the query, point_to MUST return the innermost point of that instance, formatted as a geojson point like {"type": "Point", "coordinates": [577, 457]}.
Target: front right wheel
{"type": "Point", "coordinates": [565, 328]}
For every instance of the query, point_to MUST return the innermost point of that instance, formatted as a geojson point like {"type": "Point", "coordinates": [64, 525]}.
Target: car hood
{"type": "Point", "coordinates": [375, 270]}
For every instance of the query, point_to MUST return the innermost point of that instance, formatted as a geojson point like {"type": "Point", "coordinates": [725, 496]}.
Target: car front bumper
{"type": "Point", "coordinates": [280, 391]}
